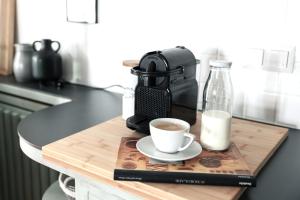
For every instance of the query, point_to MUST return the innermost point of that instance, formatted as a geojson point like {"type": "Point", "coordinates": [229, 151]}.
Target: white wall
{"type": "Point", "coordinates": [93, 54]}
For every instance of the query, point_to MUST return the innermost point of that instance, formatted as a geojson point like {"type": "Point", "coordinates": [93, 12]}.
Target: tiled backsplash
{"type": "Point", "coordinates": [272, 97]}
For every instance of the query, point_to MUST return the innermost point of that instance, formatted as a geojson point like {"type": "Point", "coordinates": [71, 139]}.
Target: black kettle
{"type": "Point", "coordinates": [46, 62]}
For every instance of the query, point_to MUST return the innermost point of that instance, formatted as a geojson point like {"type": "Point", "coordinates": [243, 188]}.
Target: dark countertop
{"type": "Point", "coordinates": [88, 107]}
{"type": "Point", "coordinates": [279, 178]}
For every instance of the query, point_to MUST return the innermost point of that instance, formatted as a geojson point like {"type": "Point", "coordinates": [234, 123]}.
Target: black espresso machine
{"type": "Point", "coordinates": [167, 87]}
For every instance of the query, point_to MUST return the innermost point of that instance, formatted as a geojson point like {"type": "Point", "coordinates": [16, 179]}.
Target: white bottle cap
{"type": "Point", "coordinates": [220, 63]}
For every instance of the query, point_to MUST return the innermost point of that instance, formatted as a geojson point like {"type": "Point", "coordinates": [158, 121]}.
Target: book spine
{"type": "Point", "coordinates": [185, 178]}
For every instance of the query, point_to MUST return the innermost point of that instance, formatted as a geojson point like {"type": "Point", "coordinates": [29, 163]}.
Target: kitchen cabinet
{"type": "Point", "coordinates": [89, 190]}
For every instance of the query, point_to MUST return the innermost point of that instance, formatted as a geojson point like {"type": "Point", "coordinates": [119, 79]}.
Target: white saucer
{"type": "Point", "coordinates": [146, 147]}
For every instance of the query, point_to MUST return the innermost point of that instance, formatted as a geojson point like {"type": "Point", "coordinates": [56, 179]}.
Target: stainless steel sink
{"type": "Point", "coordinates": [31, 95]}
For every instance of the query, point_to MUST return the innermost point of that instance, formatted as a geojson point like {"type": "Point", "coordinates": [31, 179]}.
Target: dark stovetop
{"type": "Point", "coordinates": [279, 179]}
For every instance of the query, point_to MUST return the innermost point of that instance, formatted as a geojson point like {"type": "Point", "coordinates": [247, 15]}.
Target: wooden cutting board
{"type": "Point", "coordinates": [93, 153]}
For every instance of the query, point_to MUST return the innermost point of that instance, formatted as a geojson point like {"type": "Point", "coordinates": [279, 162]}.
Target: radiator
{"type": "Point", "coordinates": [20, 177]}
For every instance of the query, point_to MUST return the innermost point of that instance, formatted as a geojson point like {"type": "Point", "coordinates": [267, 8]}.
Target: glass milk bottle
{"type": "Point", "coordinates": [217, 107]}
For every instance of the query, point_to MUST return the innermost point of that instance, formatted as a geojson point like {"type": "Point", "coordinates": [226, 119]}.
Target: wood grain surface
{"type": "Point", "coordinates": [130, 63]}
{"type": "Point", "coordinates": [7, 24]}
{"type": "Point", "coordinates": [93, 153]}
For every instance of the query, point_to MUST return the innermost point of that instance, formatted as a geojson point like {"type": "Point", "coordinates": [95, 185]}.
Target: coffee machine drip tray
{"type": "Point", "coordinates": [139, 123]}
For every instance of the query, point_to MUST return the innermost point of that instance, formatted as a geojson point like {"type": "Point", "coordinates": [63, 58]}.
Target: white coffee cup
{"type": "Point", "coordinates": [169, 134]}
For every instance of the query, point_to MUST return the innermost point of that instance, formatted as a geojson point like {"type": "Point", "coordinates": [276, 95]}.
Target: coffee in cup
{"type": "Point", "coordinates": [169, 135]}
{"type": "Point", "coordinates": [169, 126]}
